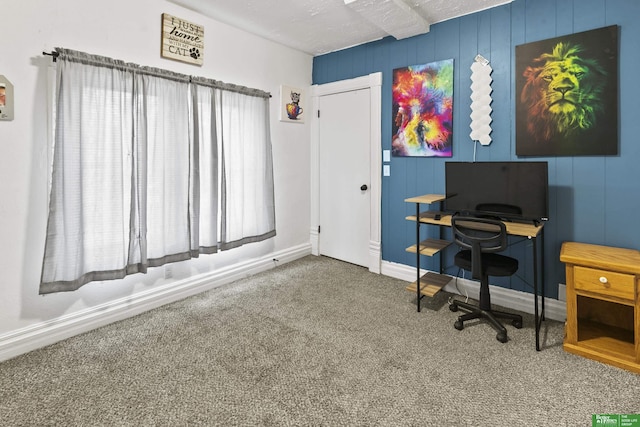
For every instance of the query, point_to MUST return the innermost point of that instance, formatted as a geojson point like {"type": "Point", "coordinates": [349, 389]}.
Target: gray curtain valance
{"type": "Point", "coordinates": [103, 61]}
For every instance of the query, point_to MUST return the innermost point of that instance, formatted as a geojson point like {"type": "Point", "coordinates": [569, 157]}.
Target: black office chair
{"type": "Point", "coordinates": [480, 240]}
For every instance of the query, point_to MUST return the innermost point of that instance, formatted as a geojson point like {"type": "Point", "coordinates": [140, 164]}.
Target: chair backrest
{"type": "Point", "coordinates": [499, 208]}
{"type": "Point", "coordinates": [480, 235]}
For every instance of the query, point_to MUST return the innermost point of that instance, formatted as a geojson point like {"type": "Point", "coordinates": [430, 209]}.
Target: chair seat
{"type": "Point", "coordinates": [493, 264]}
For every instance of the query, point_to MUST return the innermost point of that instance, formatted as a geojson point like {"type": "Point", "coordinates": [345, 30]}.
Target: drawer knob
{"type": "Point", "coordinates": [603, 279]}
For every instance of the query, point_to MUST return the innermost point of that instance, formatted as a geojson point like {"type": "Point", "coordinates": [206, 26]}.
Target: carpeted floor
{"type": "Point", "coordinates": [316, 342]}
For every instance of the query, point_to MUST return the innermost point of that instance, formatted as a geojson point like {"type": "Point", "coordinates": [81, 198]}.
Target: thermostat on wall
{"type": "Point", "coordinates": [6, 99]}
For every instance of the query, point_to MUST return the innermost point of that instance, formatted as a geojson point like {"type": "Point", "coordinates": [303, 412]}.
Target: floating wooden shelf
{"type": "Point", "coordinates": [426, 199]}
{"type": "Point", "coordinates": [430, 284]}
{"type": "Point", "coordinates": [429, 247]}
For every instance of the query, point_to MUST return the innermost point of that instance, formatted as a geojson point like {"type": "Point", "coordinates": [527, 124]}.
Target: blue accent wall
{"type": "Point", "coordinates": [593, 199]}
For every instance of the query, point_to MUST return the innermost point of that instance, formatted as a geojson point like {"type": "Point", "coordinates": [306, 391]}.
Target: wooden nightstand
{"type": "Point", "coordinates": [603, 306]}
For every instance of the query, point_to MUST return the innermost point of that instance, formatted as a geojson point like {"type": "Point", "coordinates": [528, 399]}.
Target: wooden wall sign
{"type": "Point", "coordinates": [182, 40]}
{"type": "Point", "coordinates": [6, 99]}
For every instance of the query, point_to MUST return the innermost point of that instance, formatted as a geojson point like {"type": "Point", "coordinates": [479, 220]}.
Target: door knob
{"type": "Point", "coordinates": [364, 187]}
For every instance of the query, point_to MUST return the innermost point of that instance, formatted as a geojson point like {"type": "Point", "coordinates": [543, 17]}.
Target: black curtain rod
{"type": "Point", "coordinates": [54, 54]}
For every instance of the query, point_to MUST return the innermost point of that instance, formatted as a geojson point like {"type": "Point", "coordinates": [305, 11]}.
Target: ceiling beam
{"type": "Point", "coordinates": [394, 17]}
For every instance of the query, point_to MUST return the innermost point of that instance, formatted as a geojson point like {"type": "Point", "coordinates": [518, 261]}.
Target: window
{"type": "Point", "coordinates": [151, 167]}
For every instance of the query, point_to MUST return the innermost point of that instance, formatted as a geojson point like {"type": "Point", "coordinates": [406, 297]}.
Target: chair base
{"type": "Point", "coordinates": [491, 316]}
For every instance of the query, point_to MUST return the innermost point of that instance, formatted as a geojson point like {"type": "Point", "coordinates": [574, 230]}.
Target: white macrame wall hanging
{"type": "Point", "coordinates": [481, 100]}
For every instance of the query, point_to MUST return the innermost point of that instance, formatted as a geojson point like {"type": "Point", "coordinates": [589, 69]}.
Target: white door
{"type": "Point", "coordinates": [345, 196]}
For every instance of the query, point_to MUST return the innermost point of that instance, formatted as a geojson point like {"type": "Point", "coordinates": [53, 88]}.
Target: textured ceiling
{"type": "Point", "coordinates": [321, 26]}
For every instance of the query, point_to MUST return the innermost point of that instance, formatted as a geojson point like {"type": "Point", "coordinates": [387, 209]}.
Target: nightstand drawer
{"type": "Point", "coordinates": [605, 282]}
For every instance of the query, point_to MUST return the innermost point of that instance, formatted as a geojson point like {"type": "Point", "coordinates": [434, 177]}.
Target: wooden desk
{"type": "Point", "coordinates": [513, 228]}
{"type": "Point", "coordinates": [527, 230]}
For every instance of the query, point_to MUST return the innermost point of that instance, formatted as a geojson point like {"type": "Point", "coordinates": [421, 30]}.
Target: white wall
{"type": "Point", "coordinates": [127, 30]}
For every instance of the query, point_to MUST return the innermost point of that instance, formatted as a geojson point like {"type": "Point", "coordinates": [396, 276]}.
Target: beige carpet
{"type": "Point", "coordinates": [315, 342]}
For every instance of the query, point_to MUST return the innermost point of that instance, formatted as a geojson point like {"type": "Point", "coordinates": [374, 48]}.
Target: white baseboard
{"type": "Point", "coordinates": [562, 292]}
{"type": "Point", "coordinates": [517, 300]}
{"type": "Point", "coordinates": [49, 332]}
{"type": "Point", "coordinates": [375, 256]}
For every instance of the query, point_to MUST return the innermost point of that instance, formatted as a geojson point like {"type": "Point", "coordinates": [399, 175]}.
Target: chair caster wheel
{"type": "Point", "coordinates": [458, 325]}
{"type": "Point", "coordinates": [453, 307]}
{"type": "Point", "coordinates": [502, 337]}
{"type": "Point", "coordinates": [517, 324]}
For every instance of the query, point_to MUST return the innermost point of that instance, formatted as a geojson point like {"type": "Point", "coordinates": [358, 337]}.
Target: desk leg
{"type": "Point", "coordinates": [539, 315]}
{"type": "Point", "coordinates": [542, 291]}
{"type": "Point", "coordinates": [535, 291]}
{"type": "Point", "coordinates": [418, 294]}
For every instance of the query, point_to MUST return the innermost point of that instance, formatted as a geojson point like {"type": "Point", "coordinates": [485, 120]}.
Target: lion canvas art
{"type": "Point", "coordinates": [567, 95]}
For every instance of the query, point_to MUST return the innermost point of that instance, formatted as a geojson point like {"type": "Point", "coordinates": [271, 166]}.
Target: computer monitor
{"type": "Point", "coordinates": [508, 190]}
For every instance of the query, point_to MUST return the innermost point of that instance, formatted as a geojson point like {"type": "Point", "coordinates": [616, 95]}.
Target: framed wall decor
{"type": "Point", "coordinates": [292, 104]}
{"type": "Point", "coordinates": [6, 99]}
{"type": "Point", "coordinates": [567, 95]}
{"type": "Point", "coordinates": [422, 110]}
{"type": "Point", "coordinates": [182, 40]}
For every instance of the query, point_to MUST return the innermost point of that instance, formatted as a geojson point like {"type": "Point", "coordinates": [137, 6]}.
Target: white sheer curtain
{"type": "Point", "coordinates": [207, 147]}
{"type": "Point", "coordinates": [164, 144]}
{"type": "Point", "coordinates": [89, 214]}
{"type": "Point", "coordinates": [139, 178]}
{"type": "Point", "coordinates": [247, 182]}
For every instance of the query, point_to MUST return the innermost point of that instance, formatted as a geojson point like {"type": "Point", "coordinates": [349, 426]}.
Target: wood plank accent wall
{"type": "Point", "coordinates": [592, 199]}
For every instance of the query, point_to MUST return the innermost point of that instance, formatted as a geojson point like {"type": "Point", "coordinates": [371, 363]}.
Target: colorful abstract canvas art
{"type": "Point", "coordinates": [422, 110]}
